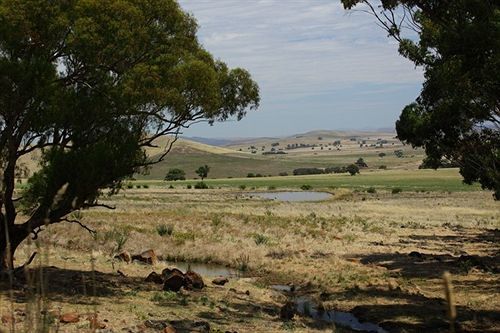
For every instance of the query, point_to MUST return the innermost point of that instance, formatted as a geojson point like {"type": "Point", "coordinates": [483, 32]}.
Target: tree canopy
{"type": "Point", "coordinates": [175, 174]}
{"type": "Point", "coordinates": [202, 171]}
{"type": "Point", "coordinates": [457, 115]}
{"type": "Point", "coordinates": [91, 84]}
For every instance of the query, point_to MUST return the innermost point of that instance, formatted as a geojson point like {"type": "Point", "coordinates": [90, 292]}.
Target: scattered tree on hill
{"type": "Point", "coordinates": [175, 174]}
{"type": "Point", "coordinates": [457, 115]}
{"type": "Point", "coordinates": [202, 171]}
{"type": "Point", "coordinates": [353, 169]}
{"type": "Point", "coordinates": [399, 153]}
{"type": "Point", "coordinates": [361, 163]}
{"type": "Point", "coordinates": [89, 85]}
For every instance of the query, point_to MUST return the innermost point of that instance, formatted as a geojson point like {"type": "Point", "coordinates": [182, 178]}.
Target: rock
{"type": "Point", "coordinates": [220, 281]}
{"type": "Point", "coordinates": [147, 257]}
{"type": "Point", "coordinates": [167, 271]}
{"type": "Point", "coordinates": [155, 278]}
{"type": "Point", "coordinates": [191, 326]}
{"type": "Point", "coordinates": [416, 254]}
{"type": "Point", "coordinates": [156, 324]}
{"type": "Point", "coordinates": [287, 311]}
{"type": "Point", "coordinates": [70, 317]}
{"type": "Point", "coordinates": [169, 329]}
{"type": "Point", "coordinates": [124, 256]}
{"type": "Point", "coordinates": [194, 280]}
{"type": "Point", "coordinates": [174, 281]}
{"type": "Point", "coordinates": [8, 319]}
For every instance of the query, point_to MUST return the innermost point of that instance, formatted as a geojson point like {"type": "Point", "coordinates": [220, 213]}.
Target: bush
{"type": "Point", "coordinates": [271, 188]}
{"type": "Point", "coordinates": [175, 174]}
{"type": "Point", "coordinates": [283, 174]}
{"type": "Point", "coordinates": [371, 190]}
{"type": "Point", "coordinates": [259, 175]}
{"type": "Point", "coordinates": [396, 190]}
{"type": "Point", "coordinates": [336, 169]}
{"type": "Point", "coordinates": [250, 175]}
{"type": "Point", "coordinates": [261, 239]}
{"type": "Point", "coordinates": [189, 186]}
{"type": "Point", "coordinates": [399, 153]}
{"type": "Point", "coordinates": [383, 167]}
{"type": "Point", "coordinates": [306, 187]}
{"type": "Point", "coordinates": [352, 169]}
{"type": "Point", "coordinates": [242, 187]}
{"type": "Point", "coordinates": [165, 229]}
{"type": "Point", "coordinates": [171, 187]}
{"type": "Point", "coordinates": [308, 171]}
{"type": "Point", "coordinates": [361, 163]}
{"type": "Point", "coordinates": [145, 186]}
{"type": "Point", "coordinates": [200, 185]}
{"type": "Point", "coordinates": [130, 186]}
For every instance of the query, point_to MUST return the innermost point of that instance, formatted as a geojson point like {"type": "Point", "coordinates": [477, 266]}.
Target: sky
{"type": "Point", "coordinates": [318, 67]}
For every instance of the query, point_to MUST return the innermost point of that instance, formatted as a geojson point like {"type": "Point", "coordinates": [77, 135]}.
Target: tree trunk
{"type": "Point", "coordinates": [7, 249]}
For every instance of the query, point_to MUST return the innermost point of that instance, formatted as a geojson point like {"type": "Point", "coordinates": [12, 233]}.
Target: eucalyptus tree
{"type": "Point", "coordinates": [456, 118]}
{"type": "Point", "coordinates": [89, 85]}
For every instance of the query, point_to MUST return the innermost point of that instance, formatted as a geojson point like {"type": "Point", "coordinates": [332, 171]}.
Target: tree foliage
{"type": "Point", "coordinates": [91, 84]}
{"type": "Point", "coordinates": [202, 171]}
{"type": "Point", "coordinates": [457, 115]}
{"type": "Point", "coordinates": [353, 169]}
{"type": "Point", "coordinates": [175, 174]}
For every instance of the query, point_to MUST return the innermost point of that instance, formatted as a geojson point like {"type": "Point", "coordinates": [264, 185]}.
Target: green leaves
{"type": "Point", "coordinates": [456, 116]}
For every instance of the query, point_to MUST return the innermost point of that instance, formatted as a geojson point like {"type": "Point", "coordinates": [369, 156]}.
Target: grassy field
{"type": "Point", "coordinates": [377, 248]}
{"type": "Point", "coordinates": [378, 255]}
{"type": "Point", "coordinates": [407, 180]}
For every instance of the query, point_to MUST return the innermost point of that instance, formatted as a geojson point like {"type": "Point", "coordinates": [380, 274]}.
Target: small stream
{"type": "Point", "coordinates": [305, 306]}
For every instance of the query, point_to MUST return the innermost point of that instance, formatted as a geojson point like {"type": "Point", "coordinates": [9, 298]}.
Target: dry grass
{"type": "Point", "coordinates": [353, 249]}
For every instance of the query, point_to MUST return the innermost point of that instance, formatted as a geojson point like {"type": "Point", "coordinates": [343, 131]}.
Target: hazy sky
{"type": "Point", "coordinates": [318, 67]}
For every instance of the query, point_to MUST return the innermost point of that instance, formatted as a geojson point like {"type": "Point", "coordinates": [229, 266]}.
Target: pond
{"type": "Point", "coordinates": [293, 196]}
{"type": "Point", "coordinates": [211, 270]}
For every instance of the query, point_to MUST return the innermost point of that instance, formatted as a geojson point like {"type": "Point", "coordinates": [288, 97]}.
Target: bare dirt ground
{"type": "Point", "coordinates": [380, 256]}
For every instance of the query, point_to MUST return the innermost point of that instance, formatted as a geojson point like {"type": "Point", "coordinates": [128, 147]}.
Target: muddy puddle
{"type": "Point", "coordinates": [293, 196]}
{"type": "Point", "coordinates": [305, 306]}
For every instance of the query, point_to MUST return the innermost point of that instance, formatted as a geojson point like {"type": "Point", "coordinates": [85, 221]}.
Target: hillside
{"type": "Point", "coordinates": [234, 161]}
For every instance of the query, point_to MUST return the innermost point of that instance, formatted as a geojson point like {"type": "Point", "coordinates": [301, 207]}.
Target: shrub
{"type": "Point", "coordinates": [361, 163]}
{"type": "Point", "coordinates": [189, 186]}
{"type": "Point", "coordinates": [271, 188]}
{"type": "Point", "coordinates": [259, 175]}
{"type": "Point", "coordinates": [165, 229]}
{"type": "Point", "coordinates": [261, 239]}
{"type": "Point", "coordinates": [283, 174]}
{"type": "Point", "coordinates": [308, 171]}
{"type": "Point", "coordinates": [242, 187]}
{"type": "Point", "coordinates": [145, 186]}
{"type": "Point", "coordinates": [399, 153]}
{"type": "Point", "coordinates": [371, 190]}
{"type": "Point", "coordinates": [352, 169]}
{"type": "Point", "coordinates": [306, 187]}
{"type": "Point", "coordinates": [336, 169]}
{"type": "Point", "coordinates": [250, 175]}
{"type": "Point", "coordinates": [383, 167]}
{"type": "Point", "coordinates": [175, 174]}
{"type": "Point", "coordinates": [396, 190]}
{"type": "Point", "coordinates": [130, 186]}
{"type": "Point", "coordinates": [171, 186]}
{"type": "Point", "coordinates": [243, 262]}
{"type": "Point", "coordinates": [200, 185]}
